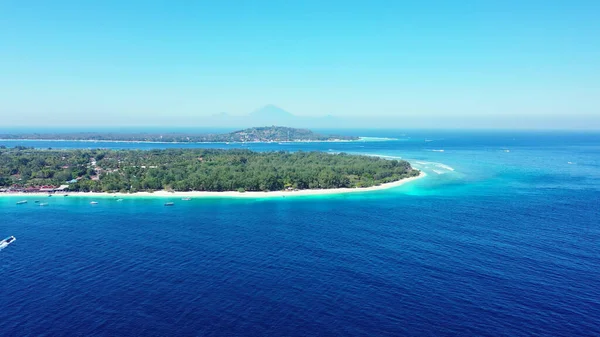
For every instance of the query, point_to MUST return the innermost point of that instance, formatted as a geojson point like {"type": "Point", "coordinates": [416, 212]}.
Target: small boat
{"type": "Point", "coordinates": [7, 241]}
{"type": "Point", "coordinates": [119, 200]}
{"type": "Point", "coordinates": [93, 203]}
{"type": "Point", "coordinates": [21, 202]}
{"type": "Point", "coordinates": [44, 204]}
{"type": "Point", "coordinates": [66, 195]}
{"type": "Point", "coordinates": [37, 201]}
{"type": "Point", "coordinates": [49, 195]}
{"type": "Point", "coordinates": [169, 203]}
{"type": "Point", "coordinates": [186, 199]}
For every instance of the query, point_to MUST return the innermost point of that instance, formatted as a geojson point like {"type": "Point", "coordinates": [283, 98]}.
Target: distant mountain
{"type": "Point", "coordinates": [270, 115]}
{"type": "Point", "coordinates": [270, 111]}
{"type": "Point", "coordinates": [221, 114]}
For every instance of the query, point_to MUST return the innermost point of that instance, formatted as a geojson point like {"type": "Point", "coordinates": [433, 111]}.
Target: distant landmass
{"type": "Point", "coordinates": [255, 134]}
{"type": "Point", "coordinates": [279, 134]}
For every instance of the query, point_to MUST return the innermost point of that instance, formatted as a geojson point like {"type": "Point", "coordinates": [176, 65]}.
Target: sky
{"type": "Point", "coordinates": [532, 64]}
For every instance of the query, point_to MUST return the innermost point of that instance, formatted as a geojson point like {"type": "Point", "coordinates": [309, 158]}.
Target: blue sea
{"type": "Point", "coordinates": [501, 238]}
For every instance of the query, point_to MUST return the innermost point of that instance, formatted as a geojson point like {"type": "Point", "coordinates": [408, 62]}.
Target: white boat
{"type": "Point", "coordinates": [21, 202]}
{"type": "Point", "coordinates": [94, 203]}
{"type": "Point", "coordinates": [119, 200]}
{"type": "Point", "coordinates": [7, 241]}
{"type": "Point", "coordinates": [44, 204]}
{"type": "Point", "coordinates": [186, 199]}
{"type": "Point", "coordinates": [169, 203]}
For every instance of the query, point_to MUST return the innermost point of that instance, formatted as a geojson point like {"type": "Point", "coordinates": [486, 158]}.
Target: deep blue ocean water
{"type": "Point", "coordinates": [502, 238]}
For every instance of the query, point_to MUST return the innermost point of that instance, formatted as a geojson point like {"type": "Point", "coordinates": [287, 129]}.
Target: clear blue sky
{"type": "Point", "coordinates": [86, 62]}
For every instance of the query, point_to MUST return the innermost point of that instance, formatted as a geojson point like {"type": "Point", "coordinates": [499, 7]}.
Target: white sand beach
{"type": "Point", "coordinates": [229, 194]}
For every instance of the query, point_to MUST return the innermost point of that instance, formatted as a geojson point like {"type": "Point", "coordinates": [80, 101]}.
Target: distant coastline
{"type": "Point", "coordinates": [255, 134]}
{"type": "Point", "coordinates": [360, 139]}
{"type": "Point", "coordinates": [158, 142]}
{"type": "Point", "coordinates": [227, 194]}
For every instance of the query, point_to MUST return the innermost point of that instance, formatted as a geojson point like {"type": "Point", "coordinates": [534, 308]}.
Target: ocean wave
{"type": "Point", "coordinates": [438, 166]}
{"type": "Point", "coordinates": [376, 139]}
{"type": "Point", "coordinates": [444, 166]}
{"type": "Point", "coordinates": [379, 155]}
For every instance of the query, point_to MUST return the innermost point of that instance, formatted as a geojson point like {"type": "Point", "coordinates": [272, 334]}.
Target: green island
{"type": "Point", "coordinates": [256, 134]}
{"type": "Point", "coordinates": [25, 169]}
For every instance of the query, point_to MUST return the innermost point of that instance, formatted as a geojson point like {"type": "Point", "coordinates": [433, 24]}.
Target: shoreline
{"type": "Point", "coordinates": [228, 194]}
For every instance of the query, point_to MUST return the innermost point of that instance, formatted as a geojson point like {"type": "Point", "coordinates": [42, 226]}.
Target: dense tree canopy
{"type": "Point", "coordinates": [195, 170]}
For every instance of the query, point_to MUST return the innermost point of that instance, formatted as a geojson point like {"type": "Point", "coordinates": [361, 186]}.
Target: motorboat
{"type": "Point", "coordinates": [7, 241]}
{"type": "Point", "coordinates": [93, 203]}
{"type": "Point", "coordinates": [169, 203]}
{"type": "Point", "coordinates": [44, 204]}
{"type": "Point", "coordinates": [21, 202]}
{"type": "Point", "coordinates": [186, 199]}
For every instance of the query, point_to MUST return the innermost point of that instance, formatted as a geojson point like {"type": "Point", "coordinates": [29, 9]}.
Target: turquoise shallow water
{"type": "Point", "coordinates": [490, 243]}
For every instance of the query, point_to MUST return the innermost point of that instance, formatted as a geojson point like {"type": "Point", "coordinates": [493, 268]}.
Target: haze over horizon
{"type": "Point", "coordinates": [502, 64]}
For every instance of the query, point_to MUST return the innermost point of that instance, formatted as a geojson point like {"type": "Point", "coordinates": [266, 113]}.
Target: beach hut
{"type": "Point", "coordinates": [47, 188]}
